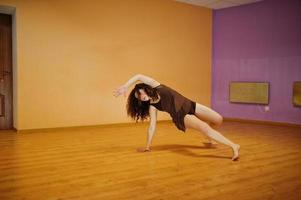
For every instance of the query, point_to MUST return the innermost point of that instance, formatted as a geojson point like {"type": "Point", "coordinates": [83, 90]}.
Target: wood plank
{"type": "Point", "coordinates": [102, 163]}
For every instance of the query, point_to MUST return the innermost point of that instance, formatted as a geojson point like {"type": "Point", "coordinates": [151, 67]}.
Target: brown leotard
{"type": "Point", "coordinates": [175, 104]}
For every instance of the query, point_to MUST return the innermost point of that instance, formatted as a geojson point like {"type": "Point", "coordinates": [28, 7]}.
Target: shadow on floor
{"type": "Point", "coordinates": [185, 150]}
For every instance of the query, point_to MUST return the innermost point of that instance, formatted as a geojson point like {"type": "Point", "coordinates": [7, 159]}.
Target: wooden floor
{"type": "Point", "coordinates": [102, 163]}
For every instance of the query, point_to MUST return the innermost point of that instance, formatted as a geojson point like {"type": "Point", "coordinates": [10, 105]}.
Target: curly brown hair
{"type": "Point", "coordinates": [136, 108]}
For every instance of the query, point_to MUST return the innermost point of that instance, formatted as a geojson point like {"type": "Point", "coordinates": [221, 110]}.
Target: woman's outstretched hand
{"type": "Point", "coordinates": [120, 90]}
{"type": "Point", "coordinates": [143, 149]}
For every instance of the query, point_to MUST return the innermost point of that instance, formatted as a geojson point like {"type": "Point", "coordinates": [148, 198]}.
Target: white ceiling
{"type": "Point", "coordinates": [218, 4]}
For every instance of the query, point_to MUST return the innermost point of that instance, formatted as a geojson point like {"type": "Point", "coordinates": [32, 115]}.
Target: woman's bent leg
{"type": "Point", "coordinates": [191, 121]}
{"type": "Point", "coordinates": [205, 113]}
{"type": "Point", "coordinates": [214, 119]}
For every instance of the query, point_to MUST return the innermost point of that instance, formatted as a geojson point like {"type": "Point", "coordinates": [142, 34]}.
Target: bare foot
{"type": "Point", "coordinates": [235, 152]}
{"type": "Point", "coordinates": [213, 142]}
{"type": "Point", "coordinates": [209, 140]}
{"type": "Point", "coordinates": [210, 143]}
{"type": "Point", "coordinates": [143, 149]}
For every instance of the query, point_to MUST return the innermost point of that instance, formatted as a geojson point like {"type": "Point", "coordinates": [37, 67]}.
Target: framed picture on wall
{"type": "Point", "coordinates": [249, 92]}
{"type": "Point", "coordinates": [297, 93]}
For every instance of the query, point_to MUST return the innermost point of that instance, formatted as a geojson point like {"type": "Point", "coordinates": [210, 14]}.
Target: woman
{"type": "Point", "coordinates": [150, 95]}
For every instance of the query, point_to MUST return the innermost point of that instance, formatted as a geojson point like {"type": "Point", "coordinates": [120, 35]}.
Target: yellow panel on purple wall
{"type": "Point", "coordinates": [297, 93]}
{"type": "Point", "coordinates": [249, 92]}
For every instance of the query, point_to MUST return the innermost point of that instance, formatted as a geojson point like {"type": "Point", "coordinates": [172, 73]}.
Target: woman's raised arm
{"type": "Point", "coordinates": [145, 79]}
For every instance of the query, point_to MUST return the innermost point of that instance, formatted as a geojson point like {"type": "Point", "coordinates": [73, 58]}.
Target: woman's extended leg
{"type": "Point", "coordinates": [191, 121]}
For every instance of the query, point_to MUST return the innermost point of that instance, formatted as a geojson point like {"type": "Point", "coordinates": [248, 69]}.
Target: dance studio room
{"type": "Point", "coordinates": [150, 99]}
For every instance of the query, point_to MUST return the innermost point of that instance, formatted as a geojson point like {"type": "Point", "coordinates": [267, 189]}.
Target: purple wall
{"type": "Point", "coordinates": [258, 42]}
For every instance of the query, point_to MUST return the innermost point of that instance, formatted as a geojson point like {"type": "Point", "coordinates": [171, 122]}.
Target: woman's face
{"type": "Point", "coordinates": [143, 96]}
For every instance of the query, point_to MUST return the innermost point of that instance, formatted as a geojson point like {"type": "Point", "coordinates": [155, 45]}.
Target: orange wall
{"type": "Point", "coordinates": [71, 54]}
